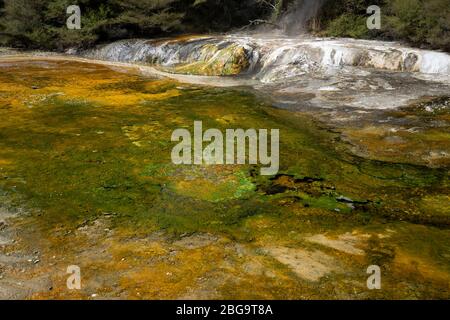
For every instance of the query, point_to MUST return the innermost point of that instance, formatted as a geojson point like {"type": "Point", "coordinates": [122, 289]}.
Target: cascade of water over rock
{"type": "Point", "coordinates": [292, 64]}
{"type": "Point", "coordinates": [272, 59]}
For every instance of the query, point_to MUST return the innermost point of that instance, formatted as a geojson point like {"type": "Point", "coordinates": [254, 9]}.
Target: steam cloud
{"type": "Point", "coordinates": [295, 20]}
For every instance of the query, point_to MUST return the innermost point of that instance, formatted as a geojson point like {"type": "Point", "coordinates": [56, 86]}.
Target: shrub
{"type": "Point", "coordinates": [423, 23]}
{"type": "Point", "coordinates": [348, 25]}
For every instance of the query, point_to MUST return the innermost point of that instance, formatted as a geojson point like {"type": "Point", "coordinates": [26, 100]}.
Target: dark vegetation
{"type": "Point", "coordinates": [41, 24]}
{"type": "Point", "coordinates": [422, 23]}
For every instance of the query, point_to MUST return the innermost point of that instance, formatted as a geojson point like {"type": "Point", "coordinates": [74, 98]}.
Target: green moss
{"type": "Point", "coordinates": [73, 157]}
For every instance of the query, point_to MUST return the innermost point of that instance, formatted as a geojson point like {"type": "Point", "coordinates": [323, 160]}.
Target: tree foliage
{"type": "Point", "coordinates": [423, 23]}
{"type": "Point", "coordinates": [41, 23]}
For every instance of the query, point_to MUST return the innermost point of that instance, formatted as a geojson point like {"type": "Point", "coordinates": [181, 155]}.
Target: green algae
{"type": "Point", "coordinates": [214, 61]}
{"type": "Point", "coordinates": [100, 150]}
{"type": "Point", "coordinates": [102, 145]}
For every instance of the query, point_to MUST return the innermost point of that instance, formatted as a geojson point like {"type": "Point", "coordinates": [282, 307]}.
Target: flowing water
{"type": "Point", "coordinates": [364, 155]}
{"type": "Point", "coordinates": [364, 74]}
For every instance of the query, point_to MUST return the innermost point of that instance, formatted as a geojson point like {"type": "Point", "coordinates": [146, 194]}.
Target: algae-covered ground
{"type": "Point", "coordinates": [86, 179]}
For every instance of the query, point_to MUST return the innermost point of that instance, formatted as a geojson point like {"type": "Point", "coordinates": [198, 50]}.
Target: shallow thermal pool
{"type": "Point", "coordinates": [86, 179]}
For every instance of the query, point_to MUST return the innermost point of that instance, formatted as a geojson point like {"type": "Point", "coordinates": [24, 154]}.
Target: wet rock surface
{"type": "Point", "coordinates": [88, 151]}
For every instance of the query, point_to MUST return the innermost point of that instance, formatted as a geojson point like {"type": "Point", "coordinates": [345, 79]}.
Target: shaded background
{"type": "Point", "coordinates": [38, 24]}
